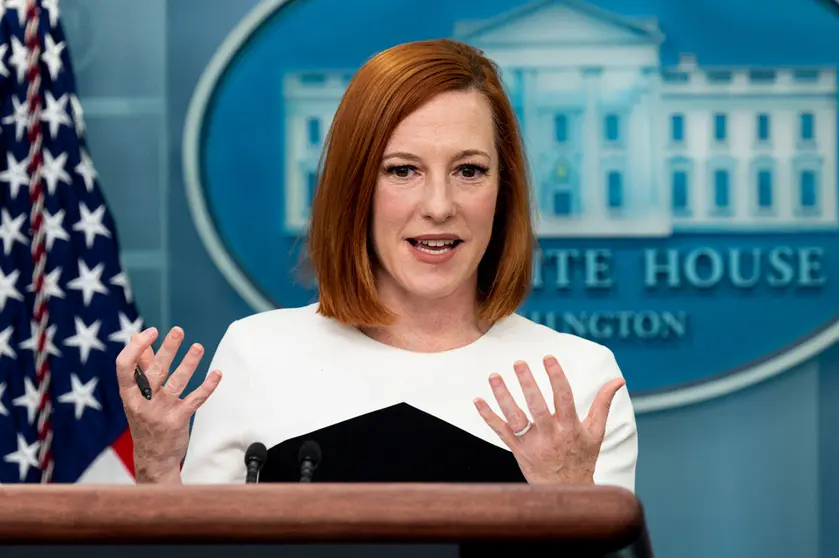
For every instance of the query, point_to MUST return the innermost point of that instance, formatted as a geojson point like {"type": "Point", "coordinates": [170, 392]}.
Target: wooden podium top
{"type": "Point", "coordinates": [317, 512]}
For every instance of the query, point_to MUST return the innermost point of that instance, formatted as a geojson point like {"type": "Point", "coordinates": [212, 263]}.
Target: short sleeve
{"type": "Point", "coordinates": [618, 457]}
{"type": "Point", "coordinates": [216, 450]}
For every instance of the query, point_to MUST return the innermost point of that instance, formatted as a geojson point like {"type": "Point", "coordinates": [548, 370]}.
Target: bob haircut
{"type": "Point", "coordinates": [384, 91]}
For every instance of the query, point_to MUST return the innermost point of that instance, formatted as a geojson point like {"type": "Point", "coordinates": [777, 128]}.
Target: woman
{"type": "Point", "coordinates": [421, 244]}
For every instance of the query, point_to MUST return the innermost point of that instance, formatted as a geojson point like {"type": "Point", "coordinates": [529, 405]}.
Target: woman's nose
{"type": "Point", "coordinates": [438, 202]}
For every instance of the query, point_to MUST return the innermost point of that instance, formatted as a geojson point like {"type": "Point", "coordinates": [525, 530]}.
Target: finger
{"type": "Point", "coordinates": [146, 358]}
{"type": "Point", "coordinates": [200, 394]}
{"type": "Point", "coordinates": [598, 414]}
{"type": "Point", "coordinates": [564, 406]}
{"type": "Point", "coordinates": [532, 394]}
{"type": "Point", "coordinates": [516, 418]}
{"type": "Point", "coordinates": [176, 383]}
{"type": "Point", "coordinates": [501, 428]}
{"type": "Point", "coordinates": [128, 357]}
{"type": "Point", "coordinates": [159, 368]}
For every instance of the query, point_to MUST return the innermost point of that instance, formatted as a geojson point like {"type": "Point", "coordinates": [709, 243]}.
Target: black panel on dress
{"type": "Point", "coordinates": [404, 444]}
{"type": "Point", "coordinates": [399, 443]}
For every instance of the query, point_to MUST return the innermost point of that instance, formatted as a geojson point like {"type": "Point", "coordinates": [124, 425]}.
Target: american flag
{"type": "Point", "coordinates": [66, 308]}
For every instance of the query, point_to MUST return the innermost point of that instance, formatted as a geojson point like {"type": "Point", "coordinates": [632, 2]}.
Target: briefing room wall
{"type": "Point", "coordinates": [118, 50]}
{"type": "Point", "coordinates": [746, 474]}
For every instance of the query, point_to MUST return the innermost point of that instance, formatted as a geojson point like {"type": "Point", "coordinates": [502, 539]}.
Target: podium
{"type": "Point", "coordinates": [568, 520]}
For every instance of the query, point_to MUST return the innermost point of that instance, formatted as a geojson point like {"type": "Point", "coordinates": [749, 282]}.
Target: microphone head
{"type": "Point", "coordinates": [309, 450]}
{"type": "Point", "coordinates": [256, 452]}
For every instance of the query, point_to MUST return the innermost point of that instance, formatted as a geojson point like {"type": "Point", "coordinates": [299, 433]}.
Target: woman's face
{"type": "Point", "coordinates": [435, 198]}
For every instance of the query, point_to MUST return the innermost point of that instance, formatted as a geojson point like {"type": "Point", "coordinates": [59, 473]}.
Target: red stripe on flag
{"type": "Point", "coordinates": [124, 448]}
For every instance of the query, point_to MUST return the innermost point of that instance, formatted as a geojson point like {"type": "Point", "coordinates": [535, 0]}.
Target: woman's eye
{"type": "Point", "coordinates": [472, 171]}
{"type": "Point", "coordinates": [401, 171]}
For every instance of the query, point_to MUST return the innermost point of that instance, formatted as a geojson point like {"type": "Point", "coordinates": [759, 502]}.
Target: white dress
{"type": "Point", "coordinates": [290, 375]}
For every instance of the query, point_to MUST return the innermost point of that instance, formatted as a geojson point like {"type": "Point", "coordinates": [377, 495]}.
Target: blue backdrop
{"type": "Point", "coordinates": [748, 474]}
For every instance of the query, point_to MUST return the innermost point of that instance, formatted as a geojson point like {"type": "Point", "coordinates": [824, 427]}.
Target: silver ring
{"type": "Point", "coordinates": [524, 430]}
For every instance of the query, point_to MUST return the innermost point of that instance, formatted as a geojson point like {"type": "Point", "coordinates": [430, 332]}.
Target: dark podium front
{"type": "Point", "coordinates": [313, 520]}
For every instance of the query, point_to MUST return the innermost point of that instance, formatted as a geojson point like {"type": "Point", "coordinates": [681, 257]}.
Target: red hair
{"type": "Point", "coordinates": [388, 88]}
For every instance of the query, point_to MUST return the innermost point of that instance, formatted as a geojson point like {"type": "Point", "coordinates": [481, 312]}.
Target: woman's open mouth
{"type": "Point", "coordinates": [433, 246]}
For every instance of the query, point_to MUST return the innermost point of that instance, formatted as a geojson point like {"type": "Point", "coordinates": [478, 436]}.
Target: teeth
{"type": "Point", "coordinates": [434, 246]}
{"type": "Point", "coordinates": [429, 250]}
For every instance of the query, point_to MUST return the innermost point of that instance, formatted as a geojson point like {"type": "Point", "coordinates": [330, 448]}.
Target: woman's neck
{"type": "Point", "coordinates": [424, 325]}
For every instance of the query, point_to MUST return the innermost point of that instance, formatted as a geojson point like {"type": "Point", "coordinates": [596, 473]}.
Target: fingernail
{"type": "Point", "coordinates": [149, 332]}
{"type": "Point", "coordinates": [495, 378]}
{"type": "Point", "coordinates": [476, 402]}
{"type": "Point", "coordinates": [550, 360]}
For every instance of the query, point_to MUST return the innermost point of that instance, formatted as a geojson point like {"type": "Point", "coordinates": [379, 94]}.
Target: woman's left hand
{"type": "Point", "coordinates": [554, 448]}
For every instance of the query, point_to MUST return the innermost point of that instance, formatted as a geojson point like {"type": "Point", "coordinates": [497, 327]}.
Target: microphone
{"type": "Point", "coordinates": [309, 459]}
{"type": "Point", "coordinates": [255, 458]}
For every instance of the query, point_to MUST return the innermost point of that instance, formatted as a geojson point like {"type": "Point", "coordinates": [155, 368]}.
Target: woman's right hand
{"type": "Point", "coordinates": [160, 426]}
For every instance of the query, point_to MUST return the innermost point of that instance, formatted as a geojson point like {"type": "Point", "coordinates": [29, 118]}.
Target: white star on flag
{"type": "Point", "coordinates": [10, 230]}
{"type": "Point", "coordinates": [89, 281]}
{"type": "Point", "coordinates": [54, 225]}
{"type": "Point", "coordinates": [20, 118]}
{"type": "Point", "coordinates": [29, 344]}
{"type": "Point", "coordinates": [15, 174]}
{"type": "Point", "coordinates": [4, 71]}
{"type": "Point", "coordinates": [3, 410]}
{"type": "Point", "coordinates": [127, 328]}
{"type": "Point", "coordinates": [51, 6]}
{"type": "Point", "coordinates": [86, 338]}
{"type": "Point", "coordinates": [78, 115]}
{"type": "Point", "coordinates": [30, 399]}
{"type": "Point", "coordinates": [7, 287]}
{"type": "Point", "coordinates": [87, 171]}
{"type": "Point", "coordinates": [19, 58]}
{"type": "Point", "coordinates": [52, 56]}
{"type": "Point", "coordinates": [55, 113]}
{"type": "Point", "coordinates": [53, 170]}
{"type": "Point", "coordinates": [25, 456]}
{"type": "Point", "coordinates": [52, 285]}
{"type": "Point", "coordinates": [121, 280]}
{"type": "Point", "coordinates": [5, 345]}
{"type": "Point", "coordinates": [91, 224]}
{"type": "Point", "coordinates": [20, 6]}
{"type": "Point", "coordinates": [81, 395]}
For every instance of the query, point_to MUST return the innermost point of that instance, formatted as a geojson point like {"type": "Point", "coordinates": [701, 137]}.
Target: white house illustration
{"type": "Point", "coordinates": [620, 146]}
